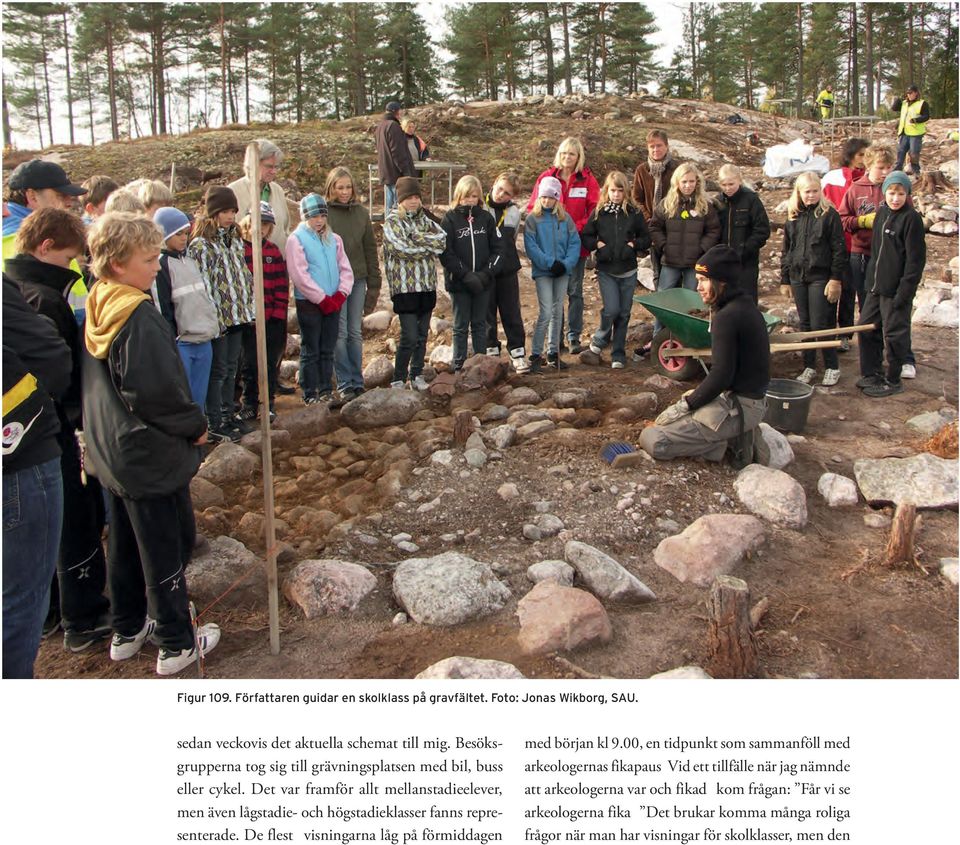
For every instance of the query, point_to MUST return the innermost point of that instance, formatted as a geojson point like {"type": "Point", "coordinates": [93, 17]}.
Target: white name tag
{"type": "Point", "coordinates": [577, 192]}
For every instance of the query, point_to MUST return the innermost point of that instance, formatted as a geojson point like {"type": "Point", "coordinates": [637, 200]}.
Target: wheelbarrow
{"type": "Point", "coordinates": [680, 347]}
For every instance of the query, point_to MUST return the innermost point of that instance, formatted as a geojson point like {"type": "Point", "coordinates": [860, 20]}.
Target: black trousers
{"type": "Point", "coordinates": [412, 348]}
{"type": "Point", "coordinates": [815, 312]}
{"type": "Point", "coordinates": [505, 297]}
{"type": "Point", "coordinates": [854, 289]}
{"type": "Point", "coordinates": [892, 334]}
{"type": "Point", "coordinates": [81, 565]}
{"type": "Point", "coordinates": [276, 338]}
{"type": "Point", "coordinates": [150, 543]}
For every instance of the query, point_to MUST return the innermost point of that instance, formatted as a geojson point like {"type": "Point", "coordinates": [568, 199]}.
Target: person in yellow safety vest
{"type": "Point", "coordinates": [914, 114]}
{"type": "Point", "coordinates": [33, 185]}
{"type": "Point", "coordinates": [825, 101]}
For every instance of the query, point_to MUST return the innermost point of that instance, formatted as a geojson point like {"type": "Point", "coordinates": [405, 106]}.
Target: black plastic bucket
{"type": "Point", "coordinates": [788, 404]}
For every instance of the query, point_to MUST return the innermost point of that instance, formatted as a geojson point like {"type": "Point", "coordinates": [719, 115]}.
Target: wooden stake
{"type": "Point", "coordinates": [173, 177]}
{"type": "Point", "coordinates": [251, 168]}
{"type": "Point", "coordinates": [462, 427]}
{"type": "Point", "coordinates": [900, 545]}
{"type": "Point", "coordinates": [732, 647]}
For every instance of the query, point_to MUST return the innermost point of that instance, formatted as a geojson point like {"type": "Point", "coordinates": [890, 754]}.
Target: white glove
{"type": "Point", "coordinates": [673, 413]}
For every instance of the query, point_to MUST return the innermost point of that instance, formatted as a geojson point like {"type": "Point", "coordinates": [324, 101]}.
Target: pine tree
{"type": "Point", "coordinates": [632, 26]}
{"type": "Point", "coordinates": [410, 61]}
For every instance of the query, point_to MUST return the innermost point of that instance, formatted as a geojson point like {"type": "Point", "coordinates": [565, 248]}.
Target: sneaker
{"type": "Point", "coordinates": [247, 412]}
{"type": "Point", "coordinates": [419, 383]}
{"type": "Point", "coordinates": [554, 360]}
{"type": "Point", "coordinates": [596, 350]}
{"type": "Point", "coordinates": [397, 385]}
{"type": "Point", "coordinates": [285, 389]}
{"type": "Point", "coordinates": [641, 352]}
{"type": "Point", "coordinates": [844, 344]}
{"type": "Point", "coordinates": [518, 358]}
{"type": "Point", "coordinates": [241, 426]}
{"type": "Point", "coordinates": [830, 378]}
{"type": "Point", "coordinates": [808, 376]}
{"type": "Point", "coordinates": [884, 388]}
{"type": "Point", "coordinates": [493, 351]}
{"type": "Point", "coordinates": [576, 348]}
{"type": "Point", "coordinates": [536, 363]}
{"type": "Point", "coordinates": [51, 624]}
{"type": "Point", "coordinates": [223, 434]}
{"type": "Point", "coordinates": [77, 641]}
{"type": "Point", "coordinates": [123, 648]}
{"type": "Point", "coordinates": [869, 381]}
{"type": "Point", "coordinates": [908, 371]}
{"type": "Point", "coordinates": [335, 401]}
{"type": "Point", "coordinates": [617, 365]}
{"type": "Point", "coordinates": [171, 662]}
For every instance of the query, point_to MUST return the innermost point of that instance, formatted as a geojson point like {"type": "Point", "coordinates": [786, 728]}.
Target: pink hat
{"type": "Point", "coordinates": [550, 187]}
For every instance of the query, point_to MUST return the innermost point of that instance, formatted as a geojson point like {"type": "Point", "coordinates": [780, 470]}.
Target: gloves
{"type": "Point", "coordinates": [786, 290]}
{"type": "Point", "coordinates": [832, 291]}
{"type": "Point", "coordinates": [865, 221]}
{"type": "Point", "coordinates": [333, 303]}
{"type": "Point", "coordinates": [673, 413]}
{"type": "Point", "coordinates": [474, 283]}
{"type": "Point", "coordinates": [558, 268]}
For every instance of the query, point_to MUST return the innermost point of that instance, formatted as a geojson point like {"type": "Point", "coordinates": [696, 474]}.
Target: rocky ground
{"type": "Point", "coordinates": [408, 523]}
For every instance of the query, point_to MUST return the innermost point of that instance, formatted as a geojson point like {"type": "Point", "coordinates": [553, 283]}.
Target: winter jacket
{"type": "Point", "coordinates": [318, 268]}
{"type": "Point", "coordinates": [473, 246]}
{"type": "Point", "coordinates": [37, 368]}
{"type": "Point", "coordinates": [507, 218]}
{"type": "Point", "coordinates": [898, 254]}
{"type": "Point", "coordinates": [580, 196]}
{"type": "Point", "coordinates": [835, 185]}
{"type": "Point", "coordinates": [419, 151]}
{"type": "Point", "coordinates": [277, 201]}
{"type": "Point", "coordinates": [351, 222]}
{"type": "Point", "coordinates": [411, 245]}
{"type": "Point", "coordinates": [679, 240]}
{"type": "Point", "coordinates": [141, 423]}
{"type": "Point", "coordinates": [744, 225]}
{"type": "Point", "coordinates": [276, 283]}
{"type": "Point", "coordinates": [225, 273]}
{"type": "Point", "coordinates": [615, 229]}
{"type": "Point", "coordinates": [643, 189]}
{"type": "Point", "coordinates": [862, 198]}
{"type": "Point", "coordinates": [547, 239]}
{"type": "Point", "coordinates": [393, 155]}
{"type": "Point", "coordinates": [45, 288]}
{"type": "Point", "coordinates": [184, 299]}
{"type": "Point", "coordinates": [813, 248]}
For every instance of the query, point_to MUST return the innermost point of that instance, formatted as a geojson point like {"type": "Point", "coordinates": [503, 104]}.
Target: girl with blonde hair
{"type": "Point", "coordinates": [811, 268]}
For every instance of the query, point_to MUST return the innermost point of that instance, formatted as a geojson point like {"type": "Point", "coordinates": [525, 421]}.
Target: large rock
{"type": "Point", "coordinates": [228, 571]}
{"type": "Point", "coordinates": [551, 570]}
{"type": "Point", "coordinates": [639, 406]}
{"type": "Point", "coordinates": [253, 440]}
{"type": "Point", "coordinates": [534, 429]}
{"type": "Point", "coordinates": [521, 396]}
{"type": "Point", "coordinates": [931, 422]}
{"type": "Point", "coordinates": [470, 668]}
{"type": "Point", "coordinates": [781, 452]}
{"type": "Point", "coordinates": [838, 490]}
{"type": "Point", "coordinates": [448, 589]}
{"type": "Point", "coordinates": [502, 436]}
{"type": "Point", "coordinates": [381, 407]}
{"type": "Point", "coordinates": [556, 618]}
{"type": "Point", "coordinates": [307, 422]}
{"type": "Point", "coordinates": [481, 372]}
{"type": "Point", "coordinates": [322, 587]}
{"type": "Point", "coordinates": [441, 356]}
{"type": "Point", "coordinates": [772, 494]}
{"type": "Point", "coordinates": [711, 546]}
{"type": "Point", "coordinates": [576, 397]}
{"type": "Point", "coordinates": [604, 576]}
{"type": "Point", "coordinates": [378, 321]}
{"type": "Point", "coordinates": [228, 463]}
{"type": "Point", "coordinates": [204, 493]}
{"type": "Point", "coordinates": [379, 372]}
{"type": "Point", "coordinates": [925, 480]}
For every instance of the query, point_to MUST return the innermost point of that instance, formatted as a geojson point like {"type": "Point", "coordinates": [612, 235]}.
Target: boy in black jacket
{"type": "Point", "coordinates": [143, 434]}
{"type": "Point", "coordinates": [898, 253]}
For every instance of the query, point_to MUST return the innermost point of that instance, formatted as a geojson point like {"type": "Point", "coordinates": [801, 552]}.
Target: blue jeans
{"type": "Point", "coordinates": [318, 338]}
{"type": "Point", "coordinates": [550, 293]}
{"type": "Point", "coordinates": [674, 277]}
{"type": "Point", "coordinates": [348, 354]}
{"type": "Point", "coordinates": [389, 199]}
{"type": "Point", "coordinates": [617, 295]}
{"type": "Point", "coordinates": [911, 144]}
{"type": "Point", "coordinates": [197, 359]}
{"type": "Point", "coordinates": [469, 313]}
{"type": "Point", "coordinates": [575, 304]}
{"type": "Point", "coordinates": [32, 516]}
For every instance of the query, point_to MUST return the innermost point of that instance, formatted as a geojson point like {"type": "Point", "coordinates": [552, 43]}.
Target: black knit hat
{"type": "Point", "coordinates": [722, 264]}
{"type": "Point", "coordinates": [220, 198]}
{"type": "Point", "coordinates": [407, 186]}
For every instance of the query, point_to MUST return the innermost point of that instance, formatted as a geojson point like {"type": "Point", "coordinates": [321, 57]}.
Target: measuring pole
{"type": "Point", "coordinates": [251, 168]}
{"type": "Point", "coordinates": [173, 178]}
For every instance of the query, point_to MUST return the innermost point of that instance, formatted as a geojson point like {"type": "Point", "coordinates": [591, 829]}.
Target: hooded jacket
{"type": "Point", "coordinates": [680, 240]}
{"type": "Point", "coordinates": [352, 223]}
{"type": "Point", "coordinates": [744, 224]}
{"type": "Point", "coordinates": [580, 196]}
{"type": "Point", "coordinates": [473, 246]}
{"type": "Point", "coordinates": [813, 248]}
{"type": "Point", "coordinates": [224, 270]}
{"type": "Point", "coordinates": [184, 300]}
{"type": "Point", "coordinates": [615, 229]}
{"type": "Point", "coordinates": [862, 197]}
{"type": "Point", "coordinates": [898, 253]}
{"type": "Point", "coordinates": [546, 239]}
{"type": "Point", "coordinates": [141, 422]}
{"type": "Point", "coordinates": [507, 217]}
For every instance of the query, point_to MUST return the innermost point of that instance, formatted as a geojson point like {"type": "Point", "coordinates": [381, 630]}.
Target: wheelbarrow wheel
{"type": "Point", "coordinates": [679, 369]}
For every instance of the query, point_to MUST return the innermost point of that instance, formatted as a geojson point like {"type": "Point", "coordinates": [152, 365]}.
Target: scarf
{"type": "Point", "coordinates": [656, 171]}
{"type": "Point", "coordinates": [612, 208]}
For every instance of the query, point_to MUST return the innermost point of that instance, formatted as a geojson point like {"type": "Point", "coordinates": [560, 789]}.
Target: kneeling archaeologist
{"type": "Point", "coordinates": [726, 409]}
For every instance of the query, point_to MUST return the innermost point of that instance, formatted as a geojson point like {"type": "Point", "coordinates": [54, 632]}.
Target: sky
{"type": "Point", "coordinates": [669, 17]}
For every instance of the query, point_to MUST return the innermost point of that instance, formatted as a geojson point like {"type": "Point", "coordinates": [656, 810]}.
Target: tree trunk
{"type": "Point", "coordinates": [567, 78]}
{"type": "Point", "coordinates": [910, 75]}
{"type": "Point", "coordinates": [66, 54]}
{"type": "Point", "coordinates": [246, 77]}
{"type": "Point", "coordinates": [36, 101]}
{"type": "Point", "coordinates": [298, 75]}
{"type": "Point", "coordinates": [7, 134]}
{"type": "Point", "coordinates": [733, 651]}
{"type": "Point", "coordinates": [223, 70]}
{"type": "Point", "coordinates": [112, 85]}
{"type": "Point", "coordinates": [548, 48]}
{"type": "Point", "coordinates": [854, 100]}
{"type": "Point", "coordinates": [602, 35]}
{"type": "Point", "coordinates": [868, 54]}
{"type": "Point", "coordinates": [799, 59]}
{"type": "Point", "coordinates": [46, 77]}
{"type": "Point", "coordinates": [161, 84]}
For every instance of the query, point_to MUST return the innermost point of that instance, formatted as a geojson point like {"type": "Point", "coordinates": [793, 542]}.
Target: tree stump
{"type": "Point", "coordinates": [930, 182]}
{"type": "Point", "coordinates": [733, 652]}
{"type": "Point", "coordinates": [900, 545]}
{"type": "Point", "coordinates": [462, 427]}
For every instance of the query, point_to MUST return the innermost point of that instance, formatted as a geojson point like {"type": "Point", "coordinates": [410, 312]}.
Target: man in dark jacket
{"type": "Point", "coordinates": [47, 242]}
{"type": "Point", "coordinates": [36, 366]}
{"type": "Point", "coordinates": [744, 225]}
{"type": "Point", "coordinates": [727, 407]}
{"type": "Point", "coordinates": [393, 154]}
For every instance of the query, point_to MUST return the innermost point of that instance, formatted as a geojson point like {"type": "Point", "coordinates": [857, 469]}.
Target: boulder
{"type": "Point", "coordinates": [773, 495]}
{"type": "Point", "coordinates": [502, 436]}
{"type": "Point", "coordinates": [575, 398]}
{"type": "Point", "coordinates": [378, 321]}
{"type": "Point", "coordinates": [605, 577]}
{"type": "Point", "coordinates": [781, 452]}
{"type": "Point", "coordinates": [204, 493]}
{"type": "Point", "coordinates": [534, 429]}
{"type": "Point", "coordinates": [227, 463]}
{"type": "Point", "coordinates": [448, 589]}
{"type": "Point", "coordinates": [305, 423]}
{"type": "Point", "coordinates": [556, 618]}
{"type": "Point", "coordinates": [495, 413]}
{"type": "Point", "coordinates": [379, 372]}
{"type": "Point", "coordinates": [929, 423]}
{"type": "Point", "coordinates": [470, 668]}
{"type": "Point", "coordinates": [253, 440]}
{"type": "Point", "coordinates": [482, 372]}
{"type": "Point", "coordinates": [713, 545]}
{"type": "Point", "coordinates": [475, 458]}
{"type": "Point", "coordinates": [441, 356]}
{"type": "Point", "coordinates": [227, 569]}
{"type": "Point", "coordinates": [925, 480]}
{"type": "Point", "coordinates": [322, 587]}
{"type": "Point", "coordinates": [639, 406]}
{"type": "Point", "coordinates": [551, 570]}
{"type": "Point", "coordinates": [381, 407]}
{"type": "Point", "coordinates": [659, 382]}
{"type": "Point", "coordinates": [445, 384]}
{"type": "Point", "coordinates": [521, 396]}
{"type": "Point", "coordinates": [838, 490]}
{"type": "Point", "coordinates": [549, 525]}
